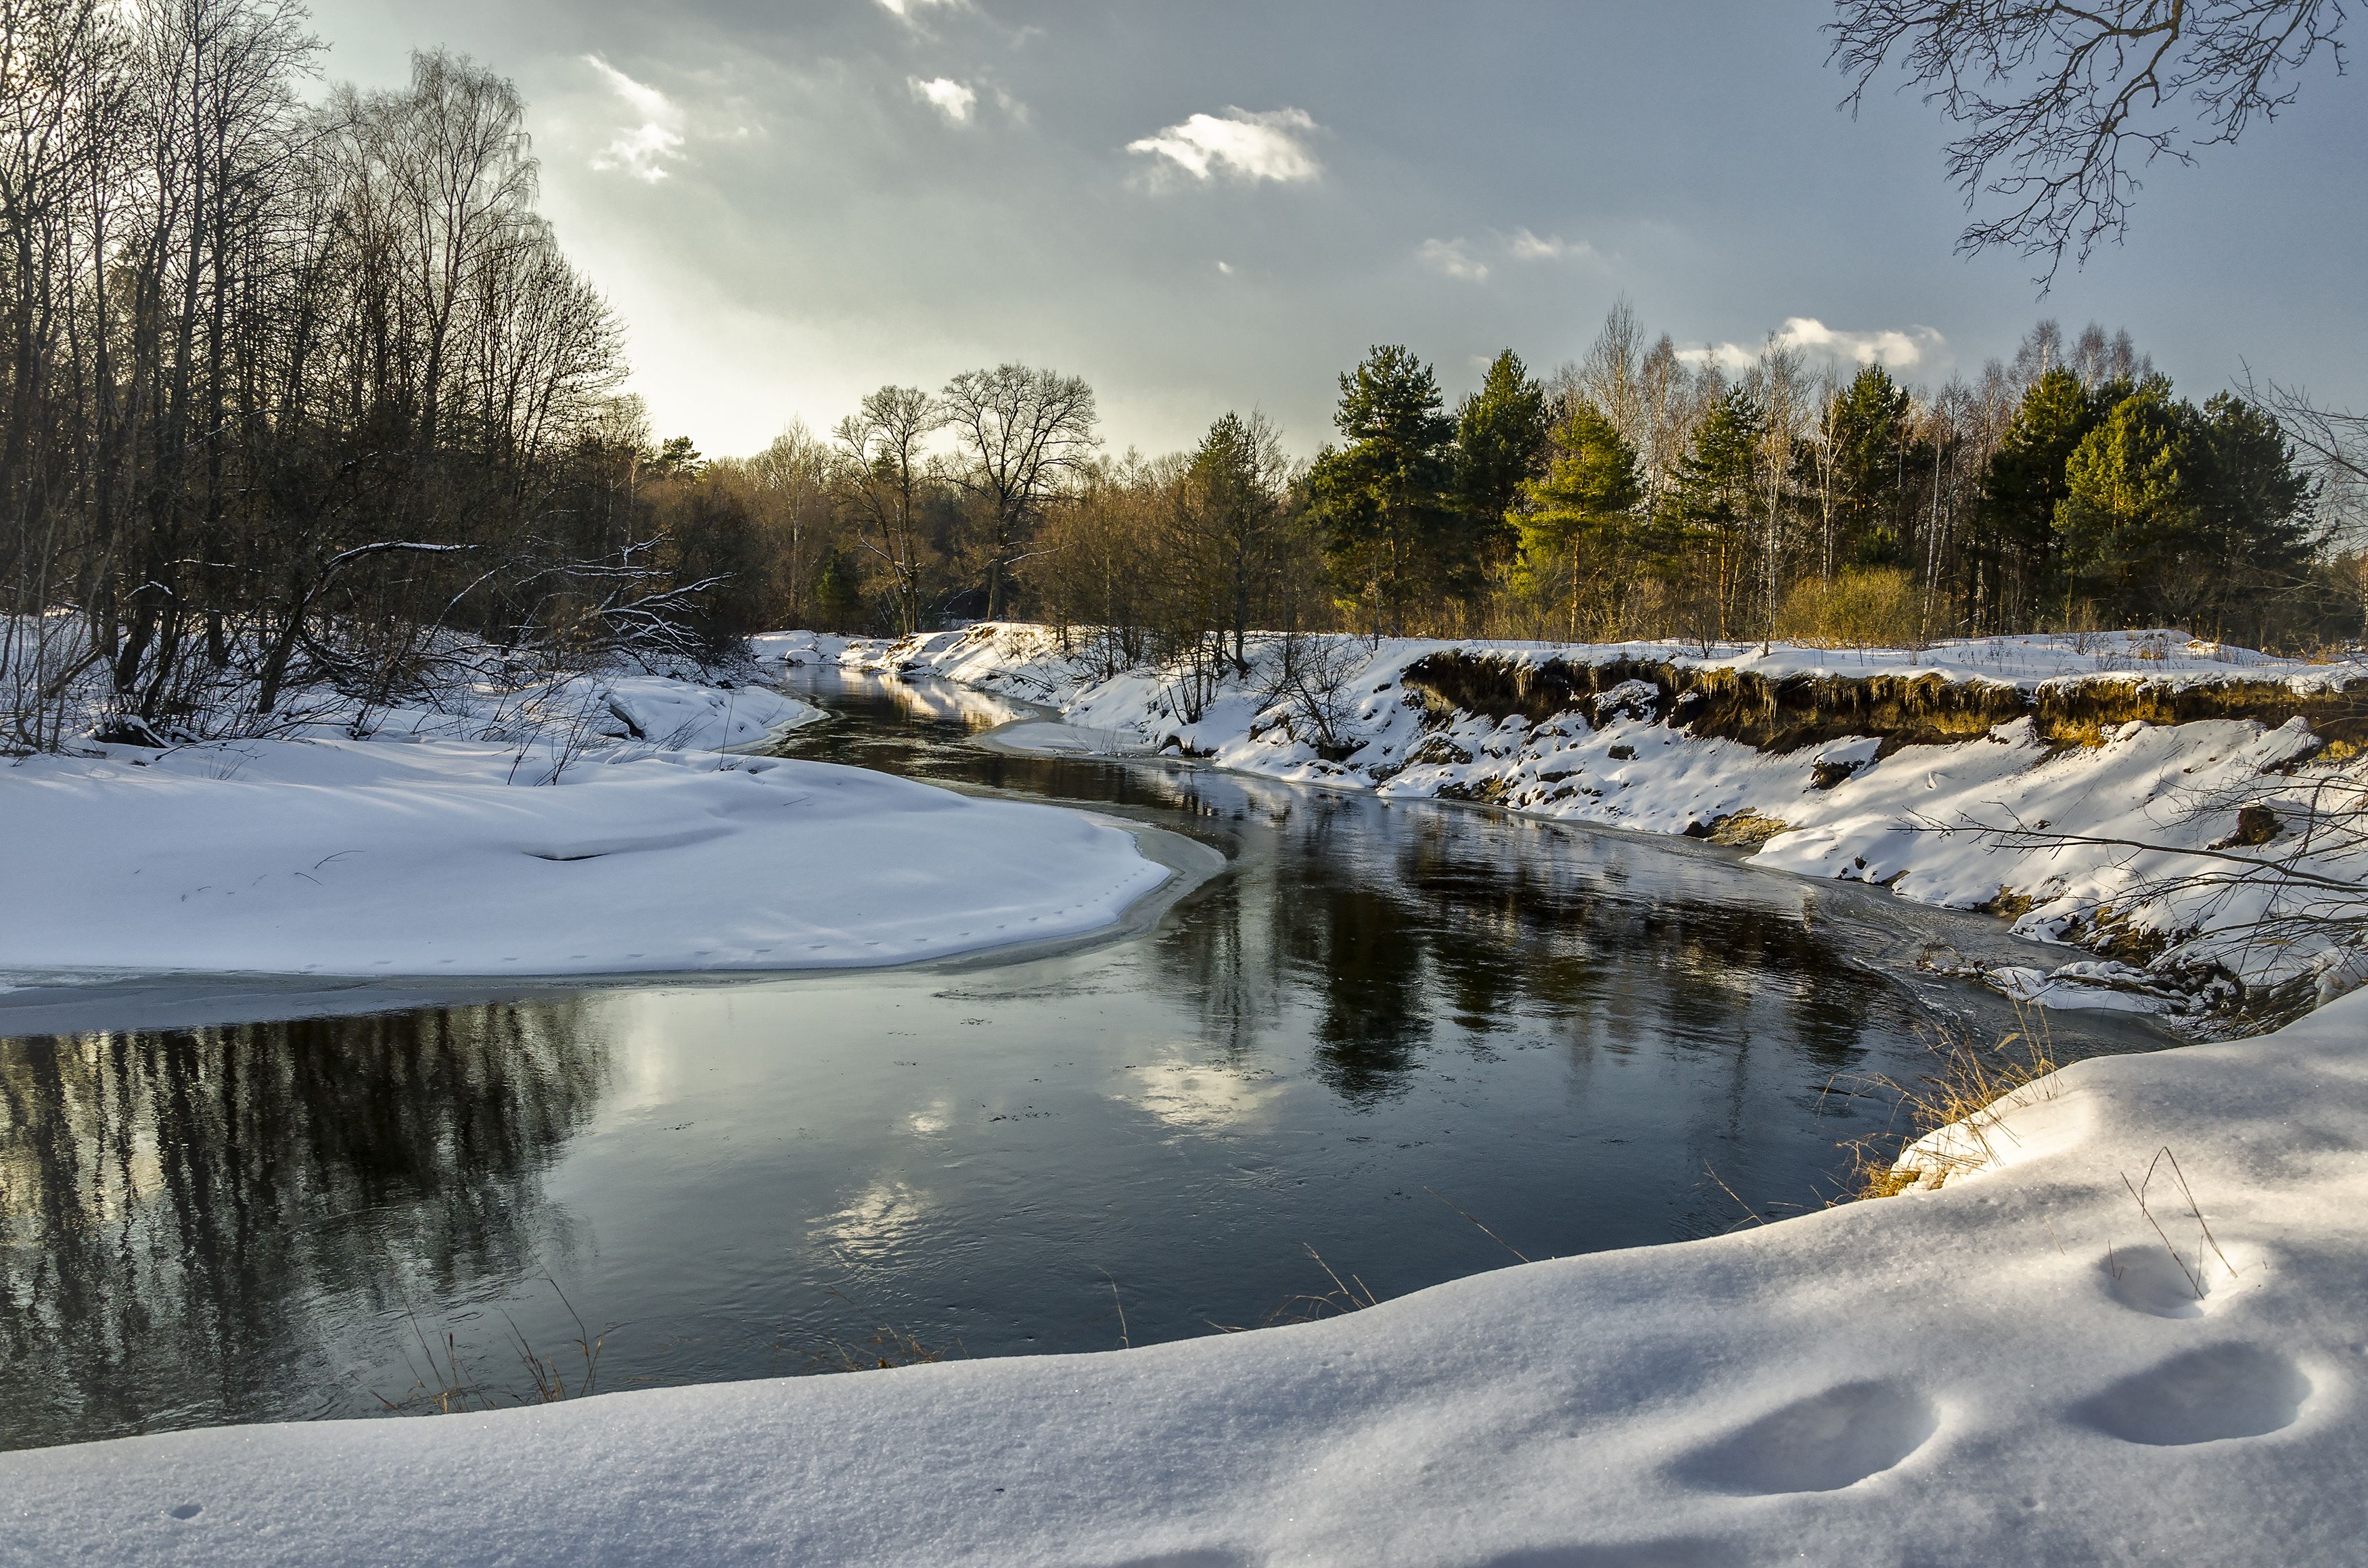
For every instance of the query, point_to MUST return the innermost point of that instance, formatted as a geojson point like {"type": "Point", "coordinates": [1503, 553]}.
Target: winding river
{"type": "Point", "coordinates": [1390, 1045]}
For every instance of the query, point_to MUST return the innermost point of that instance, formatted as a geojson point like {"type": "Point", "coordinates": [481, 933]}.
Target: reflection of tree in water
{"type": "Point", "coordinates": [173, 1206]}
{"type": "Point", "coordinates": [1364, 951]}
{"type": "Point", "coordinates": [1387, 919]}
{"type": "Point", "coordinates": [1384, 918]}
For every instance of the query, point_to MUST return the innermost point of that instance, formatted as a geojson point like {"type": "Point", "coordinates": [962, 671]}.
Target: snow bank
{"type": "Point", "coordinates": [1913, 818]}
{"type": "Point", "coordinates": [2037, 1364]}
{"type": "Point", "coordinates": [617, 837]}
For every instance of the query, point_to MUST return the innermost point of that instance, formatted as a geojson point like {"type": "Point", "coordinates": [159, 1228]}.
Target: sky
{"type": "Point", "coordinates": [1224, 205]}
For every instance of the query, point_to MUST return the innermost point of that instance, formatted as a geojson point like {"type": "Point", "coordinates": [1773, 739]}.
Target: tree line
{"type": "Point", "coordinates": [1640, 492]}
{"type": "Point", "coordinates": [299, 392]}
{"type": "Point", "coordinates": [289, 387]}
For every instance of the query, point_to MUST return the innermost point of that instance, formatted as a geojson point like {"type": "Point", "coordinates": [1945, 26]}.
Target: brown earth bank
{"type": "Point", "coordinates": [1784, 713]}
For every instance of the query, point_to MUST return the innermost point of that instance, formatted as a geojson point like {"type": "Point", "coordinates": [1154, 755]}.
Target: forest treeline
{"type": "Point", "coordinates": [1639, 492]}
{"type": "Point", "coordinates": [298, 392]}
{"type": "Point", "coordinates": [292, 387]}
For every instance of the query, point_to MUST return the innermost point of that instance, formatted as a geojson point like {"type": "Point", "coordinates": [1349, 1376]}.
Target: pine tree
{"type": "Point", "coordinates": [1382, 500]}
{"type": "Point", "coordinates": [2132, 503]}
{"type": "Point", "coordinates": [1581, 512]}
{"type": "Point", "coordinates": [2014, 538]}
{"type": "Point", "coordinates": [1712, 503]}
{"type": "Point", "coordinates": [1867, 425]}
{"type": "Point", "coordinates": [2176, 514]}
{"type": "Point", "coordinates": [1500, 438]}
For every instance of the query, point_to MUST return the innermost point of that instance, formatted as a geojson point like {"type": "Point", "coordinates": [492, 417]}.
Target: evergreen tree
{"type": "Point", "coordinates": [2176, 514]}
{"type": "Point", "coordinates": [1712, 506]}
{"type": "Point", "coordinates": [2014, 537]}
{"type": "Point", "coordinates": [1868, 425]}
{"type": "Point", "coordinates": [2255, 524]}
{"type": "Point", "coordinates": [1383, 499]}
{"type": "Point", "coordinates": [1580, 514]}
{"type": "Point", "coordinates": [2132, 505]}
{"type": "Point", "coordinates": [1500, 438]}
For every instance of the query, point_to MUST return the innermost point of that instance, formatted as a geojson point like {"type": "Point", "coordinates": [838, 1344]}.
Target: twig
{"type": "Point", "coordinates": [1482, 1229]}
{"type": "Point", "coordinates": [1732, 1193]}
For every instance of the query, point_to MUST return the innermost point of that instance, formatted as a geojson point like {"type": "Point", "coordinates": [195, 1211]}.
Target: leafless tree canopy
{"type": "Point", "coordinates": [1024, 433]}
{"type": "Point", "coordinates": [2063, 105]}
{"type": "Point", "coordinates": [288, 390]}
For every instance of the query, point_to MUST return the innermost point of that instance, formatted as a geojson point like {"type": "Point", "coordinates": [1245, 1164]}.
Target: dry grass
{"type": "Point", "coordinates": [1349, 1295]}
{"type": "Point", "coordinates": [2076, 734]}
{"type": "Point", "coordinates": [886, 1348]}
{"type": "Point", "coordinates": [1969, 1092]}
{"type": "Point", "coordinates": [446, 1387]}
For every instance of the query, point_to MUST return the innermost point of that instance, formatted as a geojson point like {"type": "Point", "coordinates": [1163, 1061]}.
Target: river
{"type": "Point", "coordinates": [1390, 1045]}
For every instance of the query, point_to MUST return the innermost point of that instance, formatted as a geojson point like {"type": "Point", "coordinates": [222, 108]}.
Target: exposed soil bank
{"type": "Point", "coordinates": [1783, 713]}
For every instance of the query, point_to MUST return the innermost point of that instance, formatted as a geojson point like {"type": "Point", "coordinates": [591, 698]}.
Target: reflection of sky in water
{"type": "Point", "coordinates": [1566, 1033]}
{"type": "Point", "coordinates": [1196, 1097]}
{"type": "Point", "coordinates": [884, 1219]}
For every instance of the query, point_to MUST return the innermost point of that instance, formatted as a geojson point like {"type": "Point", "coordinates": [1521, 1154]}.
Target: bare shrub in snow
{"type": "Point", "coordinates": [1307, 678]}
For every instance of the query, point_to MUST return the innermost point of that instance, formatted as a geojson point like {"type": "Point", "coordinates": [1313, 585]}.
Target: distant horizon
{"type": "Point", "coordinates": [1228, 211]}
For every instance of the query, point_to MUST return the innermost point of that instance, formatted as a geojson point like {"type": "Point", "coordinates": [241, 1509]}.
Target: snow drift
{"type": "Point", "coordinates": [628, 841]}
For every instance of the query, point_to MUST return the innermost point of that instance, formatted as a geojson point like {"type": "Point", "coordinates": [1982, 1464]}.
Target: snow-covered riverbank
{"type": "Point", "coordinates": [643, 839]}
{"type": "Point", "coordinates": [2036, 1365]}
{"type": "Point", "coordinates": [1850, 805]}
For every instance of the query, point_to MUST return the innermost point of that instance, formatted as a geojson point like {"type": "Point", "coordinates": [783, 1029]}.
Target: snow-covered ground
{"type": "Point", "coordinates": [620, 826]}
{"type": "Point", "coordinates": [2035, 1364]}
{"type": "Point", "coordinates": [1913, 820]}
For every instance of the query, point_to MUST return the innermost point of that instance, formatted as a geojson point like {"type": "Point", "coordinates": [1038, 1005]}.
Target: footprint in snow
{"type": "Point", "coordinates": [1821, 1443]}
{"type": "Point", "coordinates": [186, 1511]}
{"type": "Point", "coordinates": [2222, 1391]}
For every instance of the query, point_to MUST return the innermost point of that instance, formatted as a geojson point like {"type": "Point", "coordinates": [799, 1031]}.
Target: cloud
{"type": "Point", "coordinates": [1453, 257]}
{"type": "Point", "coordinates": [1226, 268]}
{"type": "Point", "coordinates": [909, 10]}
{"type": "Point", "coordinates": [950, 97]}
{"type": "Point", "coordinates": [641, 149]}
{"type": "Point", "coordinates": [1526, 246]}
{"type": "Point", "coordinates": [1894, 349]}
{"type": "Point", "coordinates": [1239, 143]}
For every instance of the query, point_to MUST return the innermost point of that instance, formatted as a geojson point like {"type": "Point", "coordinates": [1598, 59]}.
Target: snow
{"type": "Point", "coordinates": [616, 825]}
{"type": "Point", "coordinates": [1923, 820]}
{"type": "Point", "coordinates": [2118, 1321]}
{"type": "Point", "coordinates": [2031, 1363]}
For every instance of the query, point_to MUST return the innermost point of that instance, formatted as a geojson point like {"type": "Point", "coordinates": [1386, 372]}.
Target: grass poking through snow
{"type": "Point", "coordinates": [1955, 1115]}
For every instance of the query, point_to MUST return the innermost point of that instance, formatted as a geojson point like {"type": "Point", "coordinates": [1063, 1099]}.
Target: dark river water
{"type": "Point", "coordinates": [1381, 1028]}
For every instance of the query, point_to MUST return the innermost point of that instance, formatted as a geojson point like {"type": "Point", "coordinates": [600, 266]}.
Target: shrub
{"type": "Point", "coordinates": [1876, 606]}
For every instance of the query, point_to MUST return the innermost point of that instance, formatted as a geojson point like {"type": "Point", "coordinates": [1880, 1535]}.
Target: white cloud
{"type": "Point", "coordinates": [1894, 349]}
{"type": "Point", "coordinates": [1453, 257]}
{"type": "Point", "coordinates": [908, 10]}
{"type": "Point", "coordinates": [1527, 247]}
{"type": "Point", "coordinates": [1226, 268]}
{"type": "Point", "coordinates": [641, 149]}
{"type": "Point", "coordinates": [1732, 357]}
{"type": "Point", "coordinates": [1238, 142]}
{"type": "Point", "coordinates": [950, 99]}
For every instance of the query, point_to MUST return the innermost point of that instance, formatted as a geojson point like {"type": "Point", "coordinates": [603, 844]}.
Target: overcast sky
{"type": "Point", "coordinates": [1216, 205]}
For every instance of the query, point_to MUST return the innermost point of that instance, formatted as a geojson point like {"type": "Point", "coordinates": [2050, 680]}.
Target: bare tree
{"type": "Point", "coordinates": [884, 440]}
{"type": "Point", "coordinates": [2064, 103]}
{"type": "Point", "coordinates": [1025, 432]}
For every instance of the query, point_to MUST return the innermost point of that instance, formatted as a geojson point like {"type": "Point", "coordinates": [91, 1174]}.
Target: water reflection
{"type": "Point", "coordinates": [173, 1206]}
{"type": "Point", "coordinates": [1568, 1032]}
